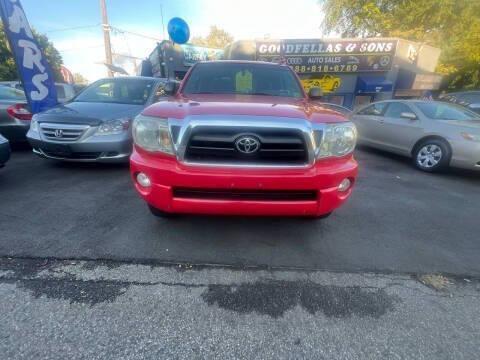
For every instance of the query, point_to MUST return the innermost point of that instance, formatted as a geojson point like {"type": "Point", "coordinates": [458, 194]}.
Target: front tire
{"type": "Point", "coordinates": [432, 155]}
{"type": "Point", "coordinates": [159, 213]}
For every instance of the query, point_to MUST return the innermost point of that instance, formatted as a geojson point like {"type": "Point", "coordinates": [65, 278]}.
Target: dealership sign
{"type": "Point", "coordinates": [33, 68]}
{"type": "Point", "coordinates": [326, 56]}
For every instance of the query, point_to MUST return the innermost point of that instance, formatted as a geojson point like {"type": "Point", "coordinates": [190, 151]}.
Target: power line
{"type": "Point", "coordinates": [72, 28]}
{"type": "Point", "coordinates": [134, 33]}
{"type": "Point", "coordinates": [81, 48]}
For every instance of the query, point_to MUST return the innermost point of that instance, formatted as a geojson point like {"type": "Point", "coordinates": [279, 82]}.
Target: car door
{"type": "Point", "coordinates": [399, 132]}
{"type": "Point", "coordinates": [368, 121]}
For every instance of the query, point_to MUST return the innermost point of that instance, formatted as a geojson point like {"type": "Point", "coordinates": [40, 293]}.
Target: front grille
{"type": "Point", "coordinates": [61, 132]}
{"type": "Point", "coordinates": [240, 194]}
{"type": "Point", "coordinates": [218, 145]}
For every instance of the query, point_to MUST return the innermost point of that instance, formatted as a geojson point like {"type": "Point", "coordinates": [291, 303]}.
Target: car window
{"type": "Point", "coordinates": [119, 90]}
{"type": "Point", "coordinates": [242, 79]}
{"type": "Point", "coordinates": [60, 91]}
{"type": "Point", "coordinates": [445, 111]}
{"type": "Point", "coordinates": [9, 93]}
{"type": "Point", "coordinates": [470, 98]}
{"type": "Point", "coordinates": [374, 109]}
{"type": "Point", "coordinates": [395, 109]}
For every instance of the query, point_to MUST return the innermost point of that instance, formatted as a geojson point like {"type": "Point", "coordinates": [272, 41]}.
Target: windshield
{"type": "Point", "coordinates": [120, 91]}
{"type": "Point", "coordinates": [242, 79]}
{"type": "Point", "coordinates": [9, 93]}
{"type": "Point", "coordinates": [442, 111]}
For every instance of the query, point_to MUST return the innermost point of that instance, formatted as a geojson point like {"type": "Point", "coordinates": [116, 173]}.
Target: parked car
{"type": "Point", "coordinates": [434, 134]}
{"type": "Point", "coordinates": [4, 151]}
{"type": "Point", "coordinates": [95, 125]}
{"type": "Point", "coordinates": [65, 92]}
{"type": "Point", "coordinates": [469, 99]}
{"type": "Point", "coordinates": [14, 114]}
{"type": "Point", "coordinates": [243, 138]}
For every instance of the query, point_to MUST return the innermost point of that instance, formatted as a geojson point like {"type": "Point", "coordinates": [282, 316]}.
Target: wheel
{"type": "Point", "coordinates": [432, 155]}
{"type": "Point", "coordinates": [160, 213]}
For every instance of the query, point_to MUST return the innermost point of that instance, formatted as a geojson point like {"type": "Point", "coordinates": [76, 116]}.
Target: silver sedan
{"type": "Point", "coordinates": [434, 134]}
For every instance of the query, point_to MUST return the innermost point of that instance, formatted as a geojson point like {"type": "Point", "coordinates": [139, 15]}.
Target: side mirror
{"type": "Point", "coordinates": [171, 87]}
{"type": "Point", "coordinates": [315, 93]}
{"type": "Point", "coordinates": [408, 115]}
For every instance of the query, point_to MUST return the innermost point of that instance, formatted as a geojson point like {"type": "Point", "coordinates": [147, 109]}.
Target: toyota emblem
{"type": "Point", "coordinates": [58, 133]}
{"type": "Point", "coordinates": [247, 144]}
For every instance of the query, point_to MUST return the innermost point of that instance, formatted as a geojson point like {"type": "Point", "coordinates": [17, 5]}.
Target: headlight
{"type": "Point", "coordinates": [470, 137]}
{"type": "Point", "coordinates": [113, 127]}
{"type": "Point", "coordinates": [34, 124]}
{"type": "Point", "coordinates": [338, 140]}
{"type": "Point", "coordinates": [152, 134]}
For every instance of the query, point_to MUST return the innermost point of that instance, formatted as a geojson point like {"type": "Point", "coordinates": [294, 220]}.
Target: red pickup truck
{"type": "Point", "coordinates": [243, 138]}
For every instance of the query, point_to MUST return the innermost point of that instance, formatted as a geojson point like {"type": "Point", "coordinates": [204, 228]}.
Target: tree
{"type": "Point", "coordinates": [79, 79]}
{"type": "Point", "coordinates": [8, 69]}
{"type": "Point", "coordinates": [451, 25]}
{"type": "Point", "coordinates": [216, 38]}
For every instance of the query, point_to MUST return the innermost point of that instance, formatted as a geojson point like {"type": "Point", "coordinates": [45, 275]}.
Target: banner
{"type": "Point", "coordinates": [193, 54]}
{"type": "Point", "coordinates": [34, 71]}
{"type": "Point", "coordinates": [329, 56]}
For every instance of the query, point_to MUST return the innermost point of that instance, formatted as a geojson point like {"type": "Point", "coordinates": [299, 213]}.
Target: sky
{"type": "Point", "coordinates": [74, 25]}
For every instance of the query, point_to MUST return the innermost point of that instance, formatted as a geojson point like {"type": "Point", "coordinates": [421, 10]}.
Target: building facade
{"type": "Point", "coordinates": [351, 72]}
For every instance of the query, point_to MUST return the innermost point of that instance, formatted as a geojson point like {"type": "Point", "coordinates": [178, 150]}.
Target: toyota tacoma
{"type": "Point", "coordinates": [243, 138]}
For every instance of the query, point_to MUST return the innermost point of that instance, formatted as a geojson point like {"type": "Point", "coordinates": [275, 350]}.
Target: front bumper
{"type": "Point", "coordinates": [107, 149]}
{"type": "Point", "coordinates": [4, 153]}
{"type": "Point", "coordinates": [167, 174]}
{"type": "Point", "coordinates": [465, 155]}
{"type": "Point", "coordinates": [15, 131]}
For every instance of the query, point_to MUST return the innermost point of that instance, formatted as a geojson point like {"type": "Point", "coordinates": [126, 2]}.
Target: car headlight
{"type": "Point", "coordinates": [152, 134]}
{"type": "Point", "coordinates": [336, 140]}
{"type": "Point", "coordinates": [470, 137]}
{"type": "Point", "coordinates": [113, 127]}
{"type": "Point", "coordinates": [34, 124]}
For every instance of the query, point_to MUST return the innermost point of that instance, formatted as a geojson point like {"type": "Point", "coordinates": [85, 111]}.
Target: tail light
{"type": "Point", "coordinates": [19, 111]}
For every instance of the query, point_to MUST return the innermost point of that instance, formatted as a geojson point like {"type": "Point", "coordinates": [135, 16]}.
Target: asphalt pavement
{"type": "Point", "coordinates": [93, 310]}
{"type": "Point", "coordinates": [86, 272]}
{"type": "Point", "coordinates": [398, 220]}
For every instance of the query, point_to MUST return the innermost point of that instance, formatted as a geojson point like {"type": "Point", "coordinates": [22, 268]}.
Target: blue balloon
{"type": "Point", "coordinates": [178, 30]}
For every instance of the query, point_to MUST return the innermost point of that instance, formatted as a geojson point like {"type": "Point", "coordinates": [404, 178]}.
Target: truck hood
{"type": "Point", "coordinates": [275, 106]}
{"type": "Point", "coordinates": [88, 113]}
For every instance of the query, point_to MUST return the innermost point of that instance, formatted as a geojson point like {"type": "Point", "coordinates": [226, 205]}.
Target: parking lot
{"type": "Point", "coordinates": [398, 220]}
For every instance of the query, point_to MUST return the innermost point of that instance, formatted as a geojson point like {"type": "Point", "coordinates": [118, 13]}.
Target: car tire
{"type": "Point", "coordinates": [160, 213]}
{"type": "Point", "coordinates": [432, 155]}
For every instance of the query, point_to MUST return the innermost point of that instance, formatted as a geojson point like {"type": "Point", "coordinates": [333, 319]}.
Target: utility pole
{"type": "Point", "coordinates": [106, 36]}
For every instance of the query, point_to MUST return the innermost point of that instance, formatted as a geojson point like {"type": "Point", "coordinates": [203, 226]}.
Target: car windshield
{"type": "Point", "coordinates": [120, 91]}
{"type": "Point", "coordinates": [243, 79]}
{"type": "Point", "coordinates": [442, 111]}
{"type": "Point", "coordinates": [9, 93]}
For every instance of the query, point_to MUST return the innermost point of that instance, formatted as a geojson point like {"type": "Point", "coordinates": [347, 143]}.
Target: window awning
{"type": "Point", "coordinates": [373, 84]}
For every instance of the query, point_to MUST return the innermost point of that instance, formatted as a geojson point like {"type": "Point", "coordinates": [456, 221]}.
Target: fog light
{"type": "Point", "coordinates": [344, 185]}
{"type": "Point", "coordinates": [143, 180]}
